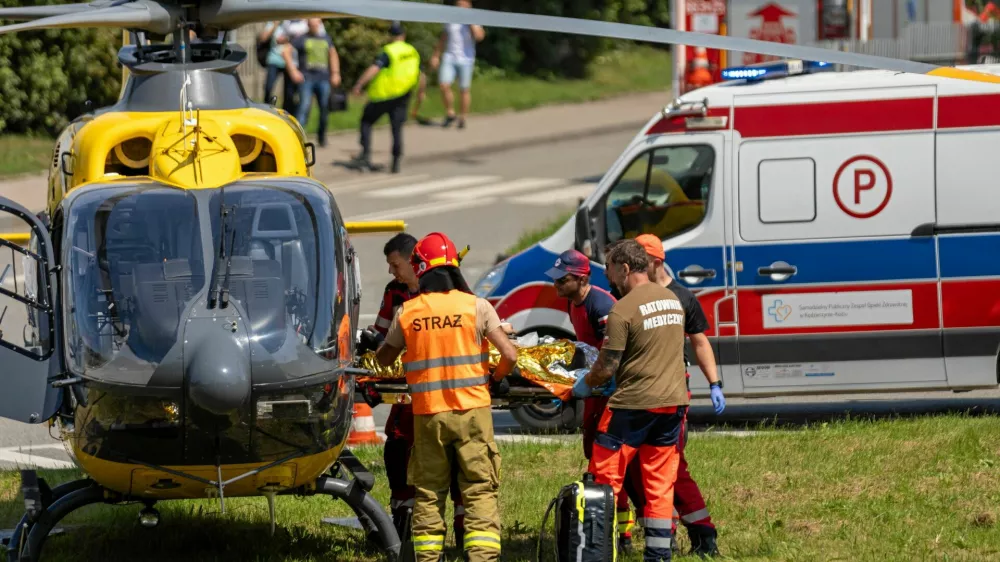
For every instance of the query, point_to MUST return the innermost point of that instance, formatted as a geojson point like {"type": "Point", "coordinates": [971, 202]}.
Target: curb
{"type": "Point", "coordinates": [524, 142]}
{"type": "Point", "coordinates": [527, 142]}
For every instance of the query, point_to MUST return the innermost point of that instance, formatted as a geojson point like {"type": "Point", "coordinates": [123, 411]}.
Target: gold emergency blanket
{"type": "Point", "coordinates": [538, 365]}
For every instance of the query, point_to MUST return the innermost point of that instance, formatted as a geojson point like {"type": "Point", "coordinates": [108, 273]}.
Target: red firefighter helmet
{"type": "Point", "coordinates": [433, 250]}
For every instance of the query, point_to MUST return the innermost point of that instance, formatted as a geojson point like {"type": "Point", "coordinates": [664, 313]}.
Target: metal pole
{"type": "Point", "coordinates": [678, 20]}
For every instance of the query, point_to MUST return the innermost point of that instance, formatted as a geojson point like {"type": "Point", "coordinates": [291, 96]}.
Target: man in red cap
{"type": "Point", "coordinates": [446, 331]}
{"type": "Point", "coordinates": [588, 311]}
{"type": "Point", "coordinates": [689, 505]}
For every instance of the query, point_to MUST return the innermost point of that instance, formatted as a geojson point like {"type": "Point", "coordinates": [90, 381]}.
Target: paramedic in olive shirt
{"type": "Point", "coordinates": [644, 351]}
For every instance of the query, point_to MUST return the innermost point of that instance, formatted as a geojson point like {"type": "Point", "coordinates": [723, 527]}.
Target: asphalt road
{"type": "Point", "coordinates": [487, 202]}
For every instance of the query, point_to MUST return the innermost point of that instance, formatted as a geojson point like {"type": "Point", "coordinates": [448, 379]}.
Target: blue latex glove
{"type": "Point", "coordinates": [580, 388]}
{"type": "Point", "coordinates": [718, 400]}
{"type": "Point", "coordinates": [609, 387]}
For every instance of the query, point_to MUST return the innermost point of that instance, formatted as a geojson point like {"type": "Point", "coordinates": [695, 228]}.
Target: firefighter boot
{"type": "Point", "coordinates": [703, 542]}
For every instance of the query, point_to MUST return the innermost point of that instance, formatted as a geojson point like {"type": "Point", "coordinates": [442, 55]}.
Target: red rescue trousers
{"type": "Point", "coordinates": [652, 437]}
{"type": "Point", "coordinates": [396, 454]}
{"type": "Point", "coordinates": [689, 505]}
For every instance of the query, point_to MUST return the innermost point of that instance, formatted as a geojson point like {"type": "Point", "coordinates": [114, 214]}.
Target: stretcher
{"type": "Point", "coordinates": [546, 370]}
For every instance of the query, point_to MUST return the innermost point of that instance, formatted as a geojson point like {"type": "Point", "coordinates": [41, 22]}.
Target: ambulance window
{"type": "Point", "coordinates": [663, 192]}
{"type": "Point", "coordinates": [786, 190]}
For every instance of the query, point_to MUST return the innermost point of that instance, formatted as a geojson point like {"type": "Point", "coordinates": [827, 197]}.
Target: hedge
{"type": "Point", "coordinates": [47, 76]}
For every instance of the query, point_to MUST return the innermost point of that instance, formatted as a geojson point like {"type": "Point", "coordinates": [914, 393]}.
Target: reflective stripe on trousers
{"type": "Point", "coordinates": [482, 539]}
{"type": "Point", "coordinates": [425, 543]}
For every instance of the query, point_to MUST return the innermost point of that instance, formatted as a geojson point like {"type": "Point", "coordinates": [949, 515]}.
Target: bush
{"type": "Point", "coordinates": [511, 51]}
{"type": "Point", "coordinates": [47, 76]}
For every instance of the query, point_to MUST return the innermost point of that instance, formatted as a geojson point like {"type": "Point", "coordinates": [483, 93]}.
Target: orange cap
{"type": "Point", "coordinates": [652, 245]}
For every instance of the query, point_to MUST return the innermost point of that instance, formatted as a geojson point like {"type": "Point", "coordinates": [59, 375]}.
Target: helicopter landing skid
{"type": "Point", "coordinates": [45, 507]}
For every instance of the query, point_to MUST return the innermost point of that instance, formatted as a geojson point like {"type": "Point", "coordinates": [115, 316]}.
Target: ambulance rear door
{"type": "Point", "coordinates": [833, 293]}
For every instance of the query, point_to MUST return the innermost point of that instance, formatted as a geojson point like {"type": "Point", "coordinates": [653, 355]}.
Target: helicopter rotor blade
{"type": "Point", "coordinates": [28, 13]}
{"type": "Point", "coordinates": [149, 16]}
{"type": "Point", "coordinates": [231, 13]}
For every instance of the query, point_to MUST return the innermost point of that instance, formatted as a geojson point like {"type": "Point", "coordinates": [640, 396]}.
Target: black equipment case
{"type": "Point", "coordinates": [586, 522]}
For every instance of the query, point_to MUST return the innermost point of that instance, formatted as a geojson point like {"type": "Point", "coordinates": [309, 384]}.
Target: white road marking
{"type": "Point", "coordinates": [505, 188]}
{"type": "Point", "coordinates": [16, 456]}
{"type": "Point", "coordinates": [361, 183]}
{"type": "Point", "coordinates": [572, 192]}
{"type": "Point", "coordinates": [414, 211]}
{"type": "Point", "coordinates": [432, 186]}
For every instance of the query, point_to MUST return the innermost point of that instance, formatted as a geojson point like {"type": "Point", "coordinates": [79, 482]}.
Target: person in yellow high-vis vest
{"type": "Point", "coordinates": [390, 80]}
{"type": "Point", "coordinates": [446, 332]}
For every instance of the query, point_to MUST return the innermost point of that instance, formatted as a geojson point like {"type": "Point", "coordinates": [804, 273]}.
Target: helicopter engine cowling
{"type": "Point", "coordinates": [217, 365]}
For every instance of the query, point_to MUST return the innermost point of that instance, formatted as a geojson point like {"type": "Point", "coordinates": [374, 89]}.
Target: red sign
{"type": "Point", "coordinates": [772, 27]}
{"type": "Point", "coordinates": [703, 16]}
{"type": "Point", "coordinates": [864, 190]}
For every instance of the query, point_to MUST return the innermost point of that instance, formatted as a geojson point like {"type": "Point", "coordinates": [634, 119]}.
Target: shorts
{"type": "Point", "coordinates": [451, 66]}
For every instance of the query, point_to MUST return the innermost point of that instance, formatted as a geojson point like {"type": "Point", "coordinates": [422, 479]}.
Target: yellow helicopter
{"type": "Point", "coordinates": [191, 290]}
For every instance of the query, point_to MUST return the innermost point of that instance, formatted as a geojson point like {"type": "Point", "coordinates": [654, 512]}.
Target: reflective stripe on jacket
{"type": "Point", "coordinates": [445, 368]}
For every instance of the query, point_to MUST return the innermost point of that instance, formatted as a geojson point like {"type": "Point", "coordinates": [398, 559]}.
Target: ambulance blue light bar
{"type": "Point", "coordinates": [777, 69]}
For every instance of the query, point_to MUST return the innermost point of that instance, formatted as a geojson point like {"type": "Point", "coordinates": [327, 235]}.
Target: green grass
{"type": "Point", "coordinates": [21, 155]}
{"type": "Point", "coordinates": [535, 235]}
{"type": "Point", "coordinates": [918, 489]}
{"type": "Point", "coordinates": [638, 69]}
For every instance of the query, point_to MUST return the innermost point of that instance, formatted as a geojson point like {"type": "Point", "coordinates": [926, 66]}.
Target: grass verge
{"type": "Point", "coordinates": [533, 236]}
{"type": "Point", "coordinates": [22, 155]}
{"type": "Point", "coordinates": [918, 489]}
{"type": "Point", "coordinates": [637, 69]}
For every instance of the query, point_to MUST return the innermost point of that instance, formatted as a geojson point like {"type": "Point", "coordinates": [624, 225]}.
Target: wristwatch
{"type": "Point", "coordinates": [717, 383]}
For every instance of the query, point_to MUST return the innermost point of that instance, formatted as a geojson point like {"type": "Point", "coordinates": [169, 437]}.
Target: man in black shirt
{"type": "Point", "coordinates": [689, 505]}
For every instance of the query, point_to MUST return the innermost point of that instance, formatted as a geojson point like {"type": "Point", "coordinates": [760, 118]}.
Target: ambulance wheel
{"type": "Point", "coordinates": [554, 417]}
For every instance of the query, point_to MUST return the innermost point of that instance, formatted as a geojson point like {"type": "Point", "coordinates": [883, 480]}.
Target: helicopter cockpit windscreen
{"type": "Point", "coordinates": [140, 263]}
{"type": "Point", "coordinates": [134, 262]}
{"type": "Point", "coordinates": [282, 264]}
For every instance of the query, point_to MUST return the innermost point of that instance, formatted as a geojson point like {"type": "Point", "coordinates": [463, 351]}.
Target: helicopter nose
{"type": "Point", "coordinates": [218, 373]}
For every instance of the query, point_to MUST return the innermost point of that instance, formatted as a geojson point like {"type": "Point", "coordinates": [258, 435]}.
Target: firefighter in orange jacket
{"type": "Point", "coordinates": [445, 332]}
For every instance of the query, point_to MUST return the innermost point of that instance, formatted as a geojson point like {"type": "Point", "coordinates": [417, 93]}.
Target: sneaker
{"type": "Point", "coordinates": [361, 162]}
{"type": "Point", "coordinates": [448, 121]}
{"type": "Point", "coordinates": [461, 123]}
{"type": "Point", "coordinates": [395, 165]}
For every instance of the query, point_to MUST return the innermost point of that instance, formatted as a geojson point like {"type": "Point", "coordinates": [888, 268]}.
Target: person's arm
{"type": "Point", "coordinates": [438, 49]}
{"type": "Point", "coordinates": [334, 65]}
{"type": "Point", "coordinates": [508, 353]}
{"type": "Point", "coordinates": [293, 71]}
{"type": "Point", "coordinates": [365, 79]}
{"type": "Point", "coordinates": [390, 349]}
{"type": "Point", "coordinates": [612, 349]}
{"type": "Point", "coordinates": [268, 31]}
{"type": "Point", "coordinates": [478, 33]}
{"type": "Point", "coordinates": [489, 326]}
{"type": "Point", "coordinates": [705, 356]}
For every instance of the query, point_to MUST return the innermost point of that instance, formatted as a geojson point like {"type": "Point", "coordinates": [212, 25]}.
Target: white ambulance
{"type": "Point", "coordinates": [841, 230]}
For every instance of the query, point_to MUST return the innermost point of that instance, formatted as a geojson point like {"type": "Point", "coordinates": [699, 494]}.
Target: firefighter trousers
{"type": "Point", "coordinates": [653, 437]}
{"type": "Point", "coordinates": [462, 439]}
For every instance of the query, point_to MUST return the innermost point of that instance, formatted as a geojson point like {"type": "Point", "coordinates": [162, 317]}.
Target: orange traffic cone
{"type": "Point", "coordinates": [700, 75]}
{"type": "Point", "coordinates": [363, 426]}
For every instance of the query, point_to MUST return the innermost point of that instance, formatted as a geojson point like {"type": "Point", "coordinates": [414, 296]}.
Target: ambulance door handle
{"type": "Point", "coordinates": [694, 274]}
{"type": "Point", "coordinates": [778, 271]}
